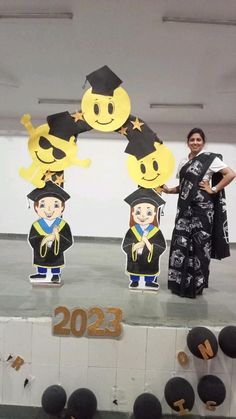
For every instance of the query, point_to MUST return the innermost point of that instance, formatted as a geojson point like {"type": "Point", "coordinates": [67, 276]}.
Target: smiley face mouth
{"type": "Point", "coordinates": [104, 123]}
{"type": "Point", "coordinates": [150, 180]}
{"type": "Point", "coordinates": [43, 161]}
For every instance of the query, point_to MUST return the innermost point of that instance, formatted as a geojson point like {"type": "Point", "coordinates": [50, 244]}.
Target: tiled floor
{"type": "Point", "coordinates": [94, 276]}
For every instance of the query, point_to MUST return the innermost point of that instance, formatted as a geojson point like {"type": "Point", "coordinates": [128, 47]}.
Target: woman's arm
{"type": "Point", "coordinates": [228, 176]}
{"type": "Point", "coordinates": [173, 190]}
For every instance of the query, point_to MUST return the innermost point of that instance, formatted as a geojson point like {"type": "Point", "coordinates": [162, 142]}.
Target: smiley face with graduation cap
{"type": "Point", "coordinates": [106, 105]}
{"type": "Point", "coordinates": [52, 147]}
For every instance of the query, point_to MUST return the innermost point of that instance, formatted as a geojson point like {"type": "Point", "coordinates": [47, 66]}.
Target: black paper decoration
{"type": "Point", "coordinates": [178, 389]}
{"type": "Point", "coordinates": [82, 404]}
{"type": "Point", "coordinates": [53, 399]}
{"type": "Point", "coordinates": [211, 388]}
{"type": "Point", "coordinates": [227, 341]}
{"type": "Point", "coordinates": [147, 406]}
{"type": "Point", "coordinates": [202, 343]}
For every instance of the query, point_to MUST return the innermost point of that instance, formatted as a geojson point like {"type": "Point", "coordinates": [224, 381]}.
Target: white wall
{"type": "Point", "coordinates": [87, 362]}
{"type": "Point", "coordinates": [96, 207]}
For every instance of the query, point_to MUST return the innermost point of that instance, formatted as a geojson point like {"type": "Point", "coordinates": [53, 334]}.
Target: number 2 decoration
{"type": "Point", "coordinates": [104, 322]}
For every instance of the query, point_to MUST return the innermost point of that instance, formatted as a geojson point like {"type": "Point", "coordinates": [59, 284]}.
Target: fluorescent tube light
{"type": "Point", "coordinates": [37, 15]}
{"type": "Point", "coordinates": [175, 19]}
{"type": "Point", "coordinates": [59, 101]}
{"type": "Point", "coordinates": [176, 106]}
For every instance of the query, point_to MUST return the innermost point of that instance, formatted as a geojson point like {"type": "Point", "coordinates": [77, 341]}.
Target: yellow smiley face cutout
{"type": "Point", "coordinates": [154, 169]}
{"type": "Point", "coordinates": [106, 113]}
{"type": "Point", "coordinates": [48, 153]}
{"type": "Point", "coordinates": [51, 152]}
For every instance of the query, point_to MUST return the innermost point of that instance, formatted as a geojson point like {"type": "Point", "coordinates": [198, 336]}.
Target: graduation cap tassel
{"type": "Point", "coordinates": [84, 85]}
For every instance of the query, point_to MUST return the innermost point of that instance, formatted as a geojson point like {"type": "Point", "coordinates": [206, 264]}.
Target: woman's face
{"type": "Point", "coordinates": [195, 143]}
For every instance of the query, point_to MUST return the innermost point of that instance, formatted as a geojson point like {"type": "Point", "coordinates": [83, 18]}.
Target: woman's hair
{"type": "Point", "coordinates": [132, 222]}
{"type": "Point", "coordinates": [197, 131]}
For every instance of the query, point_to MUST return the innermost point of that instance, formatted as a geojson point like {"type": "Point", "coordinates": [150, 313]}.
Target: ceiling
{"type": "Point", "coordinates": [158, 62]}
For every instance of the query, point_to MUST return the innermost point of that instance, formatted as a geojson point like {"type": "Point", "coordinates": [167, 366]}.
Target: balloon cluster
{"type": "Point", "coordinates": [203, 344]}
{"type": "Point", "coordinates": [82, 403]}
{"type": "Point", "coordinates": [178, 392]}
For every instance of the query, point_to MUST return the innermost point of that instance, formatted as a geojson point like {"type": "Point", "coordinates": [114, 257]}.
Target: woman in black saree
{"type": "Point", "coordinates": [201, 230]}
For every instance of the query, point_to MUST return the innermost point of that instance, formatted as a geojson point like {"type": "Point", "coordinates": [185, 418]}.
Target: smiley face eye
{"type": "Point", "coordinates": [155, 165]}
{"type": "Point", "coordinates": [149, 213]}
{"type": "Point", "coordinates": [142, 168]}
{"type": "Point", "coordinates": [96, 109]}
{"type": "Point", "coordinates": [110, 108]}
{"type": "Point", "coordinates": [137, 212]}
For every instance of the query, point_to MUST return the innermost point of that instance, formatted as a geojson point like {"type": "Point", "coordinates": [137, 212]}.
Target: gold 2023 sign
{"type": "Point", "coordinates": [96, 321]}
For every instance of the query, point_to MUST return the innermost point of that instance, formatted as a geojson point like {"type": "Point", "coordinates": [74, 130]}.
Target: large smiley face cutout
{"type": "Point", "coordinates": [106, 113]}
{"type": "Point", "coordinates": [154, 169]}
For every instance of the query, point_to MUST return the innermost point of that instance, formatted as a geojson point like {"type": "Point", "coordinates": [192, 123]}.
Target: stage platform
{"type": "Point", "coordinates": [94, 275]}
{"type": "Point", "coordinates": [142, 359]}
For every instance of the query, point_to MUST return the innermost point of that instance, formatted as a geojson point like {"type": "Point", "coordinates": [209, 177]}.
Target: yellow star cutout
{"type": "Point", "coordinates": [123, 130]}
{"type": "Point", "coordinates": [78, 116]}
{"type": "Point", "coordinates": [137, 124]}
{"type": "Point", "coordinates": [48, 175]}
{"type": "Point", "coordinates": [59, 180]}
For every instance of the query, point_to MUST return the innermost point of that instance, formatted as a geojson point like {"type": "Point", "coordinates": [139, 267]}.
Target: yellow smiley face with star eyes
{"type": "Point", "coordinates": [106, 113]}
{"type": "Point", "coordinates": [154, 169]}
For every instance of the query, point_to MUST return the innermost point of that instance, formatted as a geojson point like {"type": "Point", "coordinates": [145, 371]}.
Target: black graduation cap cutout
{"type": "Point", "coordinates": [50, 189]}
{"type": "Point", "coordinates": [62, 125]}
{"type": "Point", "coordinates": [141, 138]}
{"type": "Point", "coordinates": [103, 81]}
{"type": "Point", "coordinates": [144, 195]}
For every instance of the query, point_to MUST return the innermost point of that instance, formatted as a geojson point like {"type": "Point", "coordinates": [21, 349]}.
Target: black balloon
{"type": "Point", "coordinates": [199, 336]}
{"type": "Point", "coordinates": [211, 388]}
{"type": "Point", "coordinates": [227, 341]}
{"type": "Point", "coordinates": [53, 399]}
{"type": "Point", "coordinates": [147, 406]}
{"type": "Point", "coordinates": [178, 388]}
{"type": "Point", "coordinates": [82, 404]}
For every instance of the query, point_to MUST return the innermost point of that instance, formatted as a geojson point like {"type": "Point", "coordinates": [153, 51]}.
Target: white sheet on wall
{"type": "Point", "coordinates": [96, 207]}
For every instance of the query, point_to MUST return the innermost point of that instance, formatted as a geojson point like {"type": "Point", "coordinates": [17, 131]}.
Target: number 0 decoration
{"type": "Point", "coordinates": [92, 322]}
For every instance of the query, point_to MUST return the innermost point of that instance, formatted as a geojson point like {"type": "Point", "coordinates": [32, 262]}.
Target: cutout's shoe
{"type": "Point", "coordinates": [38, 276]}
{"type": "Point", "coordinates": [134, 284]}
{"type": "Point", "coordinates": [55, 278]}
{"type": "Point", "coordinates": [152, 285]}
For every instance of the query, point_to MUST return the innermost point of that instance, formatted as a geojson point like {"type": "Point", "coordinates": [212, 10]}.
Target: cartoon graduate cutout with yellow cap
{"type": "Point", "coordinates": [52, 147]}
{"type": "Point", "coordinates": [50, 236]}
{"type": "Point", "coordinates": [144, 242]}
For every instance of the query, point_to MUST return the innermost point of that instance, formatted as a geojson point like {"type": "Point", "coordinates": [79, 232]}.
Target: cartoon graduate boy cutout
{"type": "Point", "coordinates": [144, 242]}
{"type": "Point", "coordinates": [50, 235]}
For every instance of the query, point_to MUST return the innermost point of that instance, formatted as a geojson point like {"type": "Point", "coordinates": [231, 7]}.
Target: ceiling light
{"type": "Point", "coordinates": [175, 19]}
{"type": "Point", "coordinates": [176, 106]}
{"type": "Point", "coordinates": [59, 101]}
{"type": "Point", "coordinates": [37, 15]}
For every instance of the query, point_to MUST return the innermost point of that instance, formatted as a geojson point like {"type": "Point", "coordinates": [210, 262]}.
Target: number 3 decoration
{"type": "Point", "coordinates": [104, 322]}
